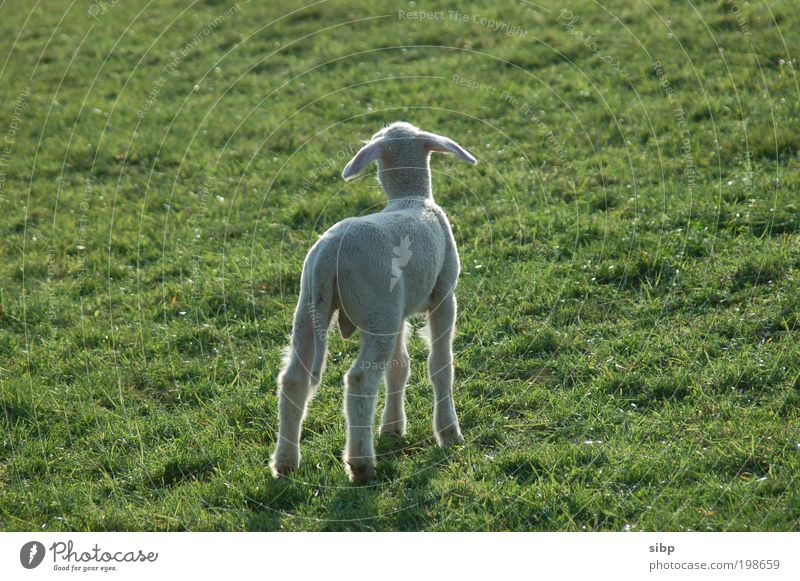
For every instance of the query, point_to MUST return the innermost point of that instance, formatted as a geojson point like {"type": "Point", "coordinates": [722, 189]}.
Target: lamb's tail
{"type": "Point", "coordinates": [320, 308]}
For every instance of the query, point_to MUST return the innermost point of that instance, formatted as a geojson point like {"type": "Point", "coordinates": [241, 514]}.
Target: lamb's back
{"type": "Point", "coordinates": [388, 257]}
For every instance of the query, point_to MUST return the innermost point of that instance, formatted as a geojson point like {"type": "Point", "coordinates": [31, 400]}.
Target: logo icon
{"type": "Point", "coordinates": [402, 254]}
{"type": "Point", "coordinates": [31, 555]}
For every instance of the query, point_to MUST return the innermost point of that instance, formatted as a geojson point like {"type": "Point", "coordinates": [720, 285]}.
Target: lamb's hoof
{"type": "Point", "coordinates": [392, 431]}
{"type": "Point", "coordinates": [282, 466]}
{"type": "Point", "coordinates": [360, 473]}
{"type": "Point", "coordinates": [449, 437]}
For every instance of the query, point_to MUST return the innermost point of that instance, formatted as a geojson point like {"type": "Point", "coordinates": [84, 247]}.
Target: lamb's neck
{"type": "Point", "coordinates": [405, 182]}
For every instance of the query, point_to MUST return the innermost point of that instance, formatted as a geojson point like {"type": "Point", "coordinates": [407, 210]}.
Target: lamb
{"type": "Point", "coordinates": [376, 271]}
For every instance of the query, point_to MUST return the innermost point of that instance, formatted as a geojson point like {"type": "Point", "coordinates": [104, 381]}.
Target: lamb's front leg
{"type": "Point", "coordinates": [362, 381]}
{"type": "Point", "coordinates": [440, 369]}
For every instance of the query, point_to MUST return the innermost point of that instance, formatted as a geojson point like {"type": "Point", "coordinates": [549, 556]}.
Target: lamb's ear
{"type": "Point", "coordinates": [365, 156]}
{"type": "Point", "coordinates": [447, 145]}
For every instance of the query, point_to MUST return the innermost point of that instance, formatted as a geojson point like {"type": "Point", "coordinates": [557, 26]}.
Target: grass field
{"type": "Point", "coordinates": [626, 354]}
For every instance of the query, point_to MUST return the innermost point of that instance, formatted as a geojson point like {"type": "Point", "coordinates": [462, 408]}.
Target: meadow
{"type": "Point", "coordinates": [626, 349]}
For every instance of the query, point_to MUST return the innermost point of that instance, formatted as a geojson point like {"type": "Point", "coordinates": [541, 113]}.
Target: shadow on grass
{"type": "Point", "coordinates": [278, 499]}
{"type": "Point", "coordinates": [359, 508]}
{"type": "Point", "coordinates": [281, 504]}
{"type": "Point", "coordinates": [353, 508]}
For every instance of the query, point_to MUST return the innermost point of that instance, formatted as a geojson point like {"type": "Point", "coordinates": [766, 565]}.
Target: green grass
{"type": "Point", "coordinates": [627, 353]}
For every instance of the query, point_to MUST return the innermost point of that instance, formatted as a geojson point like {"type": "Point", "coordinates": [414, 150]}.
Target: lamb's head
{"type": "Point", "coordinates": [403, 155]}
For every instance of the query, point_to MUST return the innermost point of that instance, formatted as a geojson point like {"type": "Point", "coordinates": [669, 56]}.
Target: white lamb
{"type": "Point", "coordinates": [377, 270]}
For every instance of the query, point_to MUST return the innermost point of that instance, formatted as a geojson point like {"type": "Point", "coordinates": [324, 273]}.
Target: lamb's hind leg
{"type": "Point", "coordinates": [396, 377]}
{"type": "Point", "coordinates": [361, 392]}
{"type": "Point", "coordinates": [294, 391]}
{"type": "Point", "coordinates": [440, 369]}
